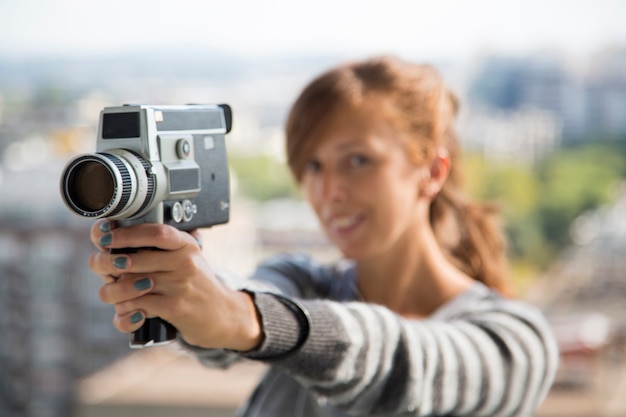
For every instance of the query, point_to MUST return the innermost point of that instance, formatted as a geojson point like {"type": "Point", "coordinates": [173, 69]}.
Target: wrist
{"type": "Point", "coordinates": [285, 323]}
{"type": "Point", "coordinates": [248, 331]}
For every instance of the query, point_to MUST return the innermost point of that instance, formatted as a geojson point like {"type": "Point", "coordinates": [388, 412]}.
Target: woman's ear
{"type": "Point", "coordinates": [437, 174]}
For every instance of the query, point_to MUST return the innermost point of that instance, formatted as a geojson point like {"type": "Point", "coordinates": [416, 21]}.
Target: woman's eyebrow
{"type": "Point", "coordinates": [350, 144]}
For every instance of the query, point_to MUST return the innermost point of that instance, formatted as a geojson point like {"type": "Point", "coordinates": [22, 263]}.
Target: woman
{"type": "Point", "coordinates": [415, 321]}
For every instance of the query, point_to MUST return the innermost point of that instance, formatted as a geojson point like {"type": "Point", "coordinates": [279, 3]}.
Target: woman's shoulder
{"type": "Point", "coordinates": [480, 303]}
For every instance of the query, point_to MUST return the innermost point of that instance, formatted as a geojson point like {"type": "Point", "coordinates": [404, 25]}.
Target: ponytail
{"type": "Point", "coordinates": [471, 235]}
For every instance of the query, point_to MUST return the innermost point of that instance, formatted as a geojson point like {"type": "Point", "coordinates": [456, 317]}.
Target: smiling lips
{"type": "Point", "coordinates": [344, 224]}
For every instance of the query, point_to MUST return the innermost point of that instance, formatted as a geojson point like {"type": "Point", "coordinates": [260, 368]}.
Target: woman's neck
{"type": "Point", "coordinates": [413, 279]}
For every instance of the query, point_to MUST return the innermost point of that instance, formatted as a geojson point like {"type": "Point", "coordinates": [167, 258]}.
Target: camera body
{"type": "Point", "coordinates": [154, 164]}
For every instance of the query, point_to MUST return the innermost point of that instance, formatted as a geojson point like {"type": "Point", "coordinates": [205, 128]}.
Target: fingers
{"type": "Point", "coordinates": [130, 315]}
{"type": "Point", "coordinates": [197, 236]}
{"type": "Point", "coordinates": [137, 283]}
{"type": "Point", "coordinates": [129, 295]}
{"type": "Point", "coordinates": [125, 290]}
{"type": "Point", "coordinates": [130, 322]}
{"type": "Point", "coordinates": [148, 261]}
{"type": "Point", "coordinates": [99, 229]}
{"type": "Point", "coordinates": [152, 297]}
{"type": "Point", "coordinates": [106, 236]}
{"type": "Point", "coordinates": [140, 236]}
{"type": "Point", "coordinates": [108, 266]}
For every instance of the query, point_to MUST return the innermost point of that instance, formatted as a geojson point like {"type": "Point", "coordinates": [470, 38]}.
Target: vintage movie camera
{"type": "Point", "coordinates": [154, 164]}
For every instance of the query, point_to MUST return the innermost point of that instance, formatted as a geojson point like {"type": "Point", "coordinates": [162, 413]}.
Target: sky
{"type": "Point", "coordinates": [253, 28]}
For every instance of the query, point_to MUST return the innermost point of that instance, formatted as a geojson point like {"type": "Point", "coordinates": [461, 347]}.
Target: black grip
{"type": "Point", "coordinates": [154, 332]}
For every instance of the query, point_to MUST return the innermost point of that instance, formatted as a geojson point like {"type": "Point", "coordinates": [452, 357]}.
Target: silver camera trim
{"type": "Point", "coordinates": [144, 185]}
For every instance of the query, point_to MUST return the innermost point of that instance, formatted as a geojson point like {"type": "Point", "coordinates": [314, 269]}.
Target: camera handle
{"type": "Point", "coordinates": [155, 331]}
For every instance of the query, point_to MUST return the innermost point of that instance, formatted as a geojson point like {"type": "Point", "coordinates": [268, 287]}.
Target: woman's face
{"type": "Point", "coordinates": [362, 185]}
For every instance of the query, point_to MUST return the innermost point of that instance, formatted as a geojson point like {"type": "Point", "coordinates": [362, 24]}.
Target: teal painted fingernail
{"type": "Point", "coordinates": [106, 239]}
{"type": "Point", "coordinates": [136, 318]}
{"type": "Point", "coordinates": [142, 284]}
{"type": "Point", "coordinates": [105, 227]}
{"type": "Point", "coordinates": [120, 262]}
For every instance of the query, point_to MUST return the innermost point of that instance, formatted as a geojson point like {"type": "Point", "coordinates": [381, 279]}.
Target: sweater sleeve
{"type": "Point", "coordinates": [486, 357]}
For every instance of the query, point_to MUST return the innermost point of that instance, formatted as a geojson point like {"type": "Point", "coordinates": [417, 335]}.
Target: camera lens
{"type": "Point", "coordinates": [92, 184]}
{"type": "Point", "coordinates": [108, 185]}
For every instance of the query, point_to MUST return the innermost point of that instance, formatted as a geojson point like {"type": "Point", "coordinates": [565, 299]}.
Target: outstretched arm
{"type": "Point", "coordinates": [490, 357]}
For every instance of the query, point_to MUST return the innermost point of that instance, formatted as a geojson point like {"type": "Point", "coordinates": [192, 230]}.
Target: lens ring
{"type": "Point", "coordinates": [150, 182]}
{"type": "Point", "coordinates": [127, 183]}
{"type": "Point", "coordinates": [96, 202]}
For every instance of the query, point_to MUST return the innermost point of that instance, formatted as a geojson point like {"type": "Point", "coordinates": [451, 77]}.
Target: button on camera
{"type": "Point", "coordinates": [183, 148]}
{"type": "Point", "coordinates": [177, 212]}
{"type": "Point", "coordinates": [189, 209]}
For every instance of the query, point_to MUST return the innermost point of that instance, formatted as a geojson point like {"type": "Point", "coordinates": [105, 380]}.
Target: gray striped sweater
{"type": "Point", "coordinates": [478, 355]}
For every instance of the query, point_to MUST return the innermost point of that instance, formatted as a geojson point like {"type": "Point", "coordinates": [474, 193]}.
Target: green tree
{"type": "Point", "coordinates": [262, 177]}
{"type": "Point", "coordinates": [573, 181]}
{"type": "Point", "coordinates": [539, 203]}
{"type": "Point", "coordinates": [515, 189]}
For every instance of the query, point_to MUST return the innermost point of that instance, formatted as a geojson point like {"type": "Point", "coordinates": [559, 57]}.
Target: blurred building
{"type": "Point", "coordinates": [54, 329]}
{"type": "Point", "coordinates": [606, 93]}
{"type": "Point", "coordinates": [523, 136]}
{"type": "Point", "coordinates": [586, 99]}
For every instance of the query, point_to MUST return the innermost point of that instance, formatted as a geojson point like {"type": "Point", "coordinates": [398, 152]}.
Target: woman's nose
{"type": "Point", "coordinates": [332, 188]}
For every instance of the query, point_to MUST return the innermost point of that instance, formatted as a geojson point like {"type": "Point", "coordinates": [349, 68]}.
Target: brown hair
{"type": "Point", "coordinates": [423, 110]}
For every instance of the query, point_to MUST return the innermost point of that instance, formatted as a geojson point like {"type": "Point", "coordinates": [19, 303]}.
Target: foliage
{"type": "Point", "coordinates": [262, 177]}
{"type": "Point", "coordinates": [540, 202]}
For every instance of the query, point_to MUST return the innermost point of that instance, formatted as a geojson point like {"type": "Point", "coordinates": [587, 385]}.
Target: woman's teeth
{"type": "Point", "coordinates": [344, 222]}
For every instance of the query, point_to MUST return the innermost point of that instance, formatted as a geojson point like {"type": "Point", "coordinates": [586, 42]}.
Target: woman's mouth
{"type": "Point", "coordinates": [344, 224]}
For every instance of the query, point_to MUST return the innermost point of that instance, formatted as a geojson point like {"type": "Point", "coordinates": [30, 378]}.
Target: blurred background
{"type": "Point", "coordinates": [543, 92]}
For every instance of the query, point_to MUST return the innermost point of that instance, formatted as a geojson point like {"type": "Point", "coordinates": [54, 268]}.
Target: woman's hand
{"type": "Point", "coordinates": [173, 282]}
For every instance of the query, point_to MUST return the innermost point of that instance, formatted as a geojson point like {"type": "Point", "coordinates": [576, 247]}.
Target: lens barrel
{"type": "Point", "coordinates": [107, 185]}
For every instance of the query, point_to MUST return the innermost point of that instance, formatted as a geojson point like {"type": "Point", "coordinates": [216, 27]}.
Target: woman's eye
{"type": "Point", "coordinates": [358, 161]}
{"type": "Point", "coordinates": [313, 166]}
